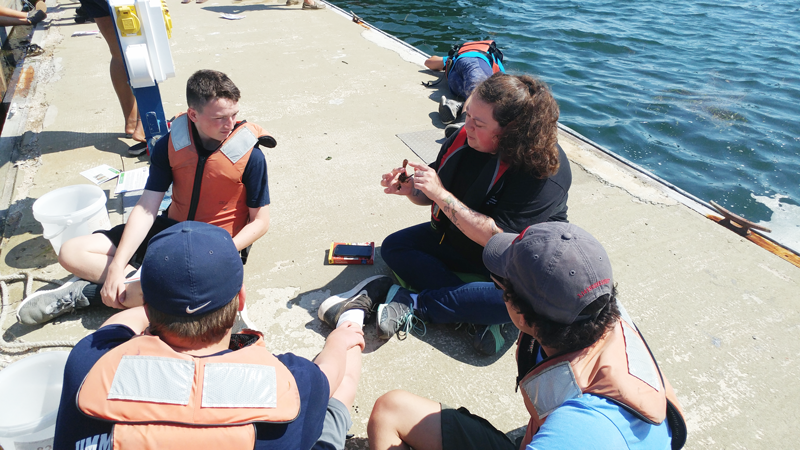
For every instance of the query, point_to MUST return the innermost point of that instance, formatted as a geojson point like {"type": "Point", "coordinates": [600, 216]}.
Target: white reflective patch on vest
{"type": "Point", "coordinates": [623, 314]}
{"type": "Point", "coordinates": [640, 364]}
{"type": "Point", "coordinates": [230, 385]}
{"type": "Point", "coordinates": [238, 145]}
{"type": "Point", "coordinates": [552, 387]}
{"type": "Point", "coordinates": [153, 379]}
{"type": "Point", "coordinates": [179, 133]}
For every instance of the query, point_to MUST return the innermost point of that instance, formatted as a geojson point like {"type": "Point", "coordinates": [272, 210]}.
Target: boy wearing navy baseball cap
{"type": "Point", "coordinates": [586, 375]}
{"type": "Point", "coordinates": [171, 373]}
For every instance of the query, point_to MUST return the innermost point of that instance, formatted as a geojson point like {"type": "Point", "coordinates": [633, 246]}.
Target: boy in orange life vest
{"type": "Point", "coordinates": [219, 176]}
{"type": "Point", "coordinates": [175, 362]}
{"type": "Point", "coordinates": [586, 376]}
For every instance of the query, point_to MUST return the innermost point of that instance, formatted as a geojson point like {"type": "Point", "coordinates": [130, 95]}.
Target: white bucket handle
{"type": "Point", "coordinates": [51, 236]}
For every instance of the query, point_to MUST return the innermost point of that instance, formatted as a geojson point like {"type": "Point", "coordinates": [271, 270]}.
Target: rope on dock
{"type": "Point", "coordinates": [21, 346]}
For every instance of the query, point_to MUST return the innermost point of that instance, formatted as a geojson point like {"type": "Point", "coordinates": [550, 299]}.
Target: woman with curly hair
{"type": "Point", "coordinates": [501, 172]}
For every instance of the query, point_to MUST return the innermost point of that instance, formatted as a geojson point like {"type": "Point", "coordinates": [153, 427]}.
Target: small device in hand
{"type": "Point", "coordinates": [351, 253]}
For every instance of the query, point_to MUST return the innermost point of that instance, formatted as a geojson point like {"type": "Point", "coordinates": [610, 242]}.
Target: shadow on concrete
{"type": "Point", "coordinates": [450, 339]}
{"type": "Point", "coordinates": [90, 318]}
{"type": "Point", "coordinates": [59, 141]}
{"type": "Point", "coordinates": [356, 443]}
{"type": "Point", "coordinates": [67, 17]}
{"type": "Point", "coordinates": [34, 253]}
{"type": "Point", "coordinates": [435, 94]}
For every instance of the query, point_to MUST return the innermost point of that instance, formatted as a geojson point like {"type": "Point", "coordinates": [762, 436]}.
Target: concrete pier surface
{"type": "Point", "coordinates": [719, 313]}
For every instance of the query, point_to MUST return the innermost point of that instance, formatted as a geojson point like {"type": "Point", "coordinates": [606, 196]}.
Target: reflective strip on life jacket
{"type": "Point", "coordinates": [169, 380]}
{"type": "Point", "coordinates": [222, 198]}
{"type": "Point", "coordinates": [618, 367]}
{"type": "Point", "coordinates": [156, 395]}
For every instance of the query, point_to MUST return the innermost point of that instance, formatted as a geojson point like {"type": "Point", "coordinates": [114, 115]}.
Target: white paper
{"type": "Point", "coordinates": [132, 180]}
{"type": "Point", "coordinates": [101, 174]}
{"type": "Point", "coordinates": [233, 16]}
{"type": "Point", "coordinates": [85, 33]}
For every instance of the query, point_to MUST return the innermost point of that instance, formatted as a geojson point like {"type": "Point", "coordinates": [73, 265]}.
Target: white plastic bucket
{"type": "Point", "coordinates": [70, 212]}
{"type": "Point", "coordinates": [30, 391]}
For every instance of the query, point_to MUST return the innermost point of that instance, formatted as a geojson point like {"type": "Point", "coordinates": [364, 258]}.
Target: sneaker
{"type": "Point", "coordinates": [35, 16]}
{"type": "Point", "coordinates": [452, 128]}
{"type": "Point", "coordinates": [365, 296]}
{"type": "Point", "coordinates": [46, 305]}
{"type": "Point", "coordinates": [448, 110]}
{"type": "Point", "coordinates": [137, 149]}
{"type": "Point", "coordinates": [395, 317]}
{"type": "Point", "coordinates": [81, 17]}
{"type": "Point", "coordinates": [488, 339]}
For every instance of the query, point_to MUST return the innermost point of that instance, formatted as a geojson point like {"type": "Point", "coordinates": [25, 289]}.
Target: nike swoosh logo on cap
{"type": "Point", "coordinates": [192, 311]}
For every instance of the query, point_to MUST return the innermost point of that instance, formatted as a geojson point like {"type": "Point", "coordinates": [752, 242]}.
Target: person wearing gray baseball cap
{"type": "Point", "coordinates": [588, 378]}
{"type": "Point", "coordinates": [175, 362]}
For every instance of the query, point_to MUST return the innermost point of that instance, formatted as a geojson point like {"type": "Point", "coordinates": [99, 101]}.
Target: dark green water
{"type": "Point", "coordinates": [704, 94]}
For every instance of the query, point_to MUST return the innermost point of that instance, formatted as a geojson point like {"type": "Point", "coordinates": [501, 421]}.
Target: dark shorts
{"type": "Point", "coordinates": [95, 8]}
{"type": "Point", "coordinates": [115, 236]}
{"type": "Point", "coordinates": [334, 429]}
{"type": "Point", "coordinates": [462, 430]}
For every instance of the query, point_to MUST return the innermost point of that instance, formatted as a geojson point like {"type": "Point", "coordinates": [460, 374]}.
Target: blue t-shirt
{"type": "Point", "coordinates": [254, 177]}
{"type": "Point", "coordinates": [74, 430]}
{"type": "Point", "coordinates": [594, 422]}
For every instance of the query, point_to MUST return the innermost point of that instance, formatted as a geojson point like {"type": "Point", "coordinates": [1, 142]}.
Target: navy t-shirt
{"type": "Point", "coordinates": [74, 430]}
{"type": "Point", "coordinates": [254, 177]}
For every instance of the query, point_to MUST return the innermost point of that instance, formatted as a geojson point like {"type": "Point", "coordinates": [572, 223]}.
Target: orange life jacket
{"type": "Point", "coordinates": [159, 398]}
{"type": "Point", "coordinates": [221, 196]}
{"type": "Point", "coordinates": [618, 367]}
{"type": "Point", "coordinates": [487, 49]}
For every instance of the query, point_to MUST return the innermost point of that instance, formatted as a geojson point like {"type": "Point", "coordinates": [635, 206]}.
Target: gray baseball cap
{"type": "Point", "coordinates": [557, 267]}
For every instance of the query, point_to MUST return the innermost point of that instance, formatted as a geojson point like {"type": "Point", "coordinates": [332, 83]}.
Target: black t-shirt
{"type": "Point", "coordinates": [469, 167]}
{"type": "Point", "coordinates": [522, 200]}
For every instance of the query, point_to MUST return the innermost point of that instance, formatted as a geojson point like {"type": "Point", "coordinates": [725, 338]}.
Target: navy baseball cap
{"type": "Point", "coordinates": [191, 269]}
{"type": "Point", "coordinates": [557, 267]}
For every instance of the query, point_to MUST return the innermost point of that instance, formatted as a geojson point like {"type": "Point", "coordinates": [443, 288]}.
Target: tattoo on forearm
{"type": "Point", "coordinates": [452, 207]}
{"type": "Point", "coordinates": [449, 209]}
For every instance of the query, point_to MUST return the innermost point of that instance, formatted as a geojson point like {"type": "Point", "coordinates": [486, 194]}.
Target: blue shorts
{"type": "Point", "coordinates": [95, 8]}
{"type": "Point", "coordinates": [334, 429]}
{"type": "Point", "coordinates": [466, 74]}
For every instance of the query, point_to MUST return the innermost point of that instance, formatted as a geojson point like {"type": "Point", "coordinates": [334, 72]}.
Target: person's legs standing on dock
{"type": "Point", "coordinates": [98, 10]}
